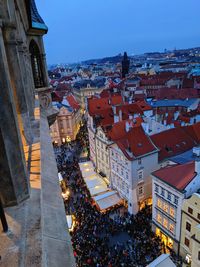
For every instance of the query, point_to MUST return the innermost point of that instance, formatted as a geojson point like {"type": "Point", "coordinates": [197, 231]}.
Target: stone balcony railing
{"type": "Point", "coordinates": [38, 234]}
{"type": "Point", "coordinates": [45, 101]}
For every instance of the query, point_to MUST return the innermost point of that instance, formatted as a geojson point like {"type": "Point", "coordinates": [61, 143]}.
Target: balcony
{"type": "Point", "coordinates": [38, 234]}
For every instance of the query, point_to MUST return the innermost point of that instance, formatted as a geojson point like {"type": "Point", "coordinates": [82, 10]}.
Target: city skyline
{"type": "Point", "coordinates": [92, 29]}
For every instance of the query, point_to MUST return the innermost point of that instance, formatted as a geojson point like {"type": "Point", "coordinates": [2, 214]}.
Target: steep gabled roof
{"type": "Point", "coordinates": [35, 19]}
{"type": "Point", "coordinates": [193, 131]}
{"type": "Point", "coordinates": [178, 176]}
{"type": "Point", "coordinates": [72, 102]}
{"type": "Point", "coordinates": [118, 130]}
{"type": "Point", "coordinates": [136, 143]}
{"type": "Point", "coordinates": [172, 142]}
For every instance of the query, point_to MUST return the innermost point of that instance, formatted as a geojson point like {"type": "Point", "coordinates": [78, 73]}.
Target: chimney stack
{"type": "Point", "coordinates": [196, 152]}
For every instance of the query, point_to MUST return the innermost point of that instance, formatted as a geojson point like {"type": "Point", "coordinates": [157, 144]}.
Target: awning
{"type": "Point", "coordinates": [108, 200]}
{"type": "Point", "coordinates": [87, 173]}
{"type": "Point", "coordinates": [86, 165]}
{"type": "Point", "coordinates": [99, 191]}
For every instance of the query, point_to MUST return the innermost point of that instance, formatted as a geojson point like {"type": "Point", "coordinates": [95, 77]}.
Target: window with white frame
{"type": "Point", "coordinates": [113, 166]}
{"type": "Point", "coordinates": [162, 191]}
{"type": "Point", "coordinates": [171, 227]}
{"type": "Point", "coordinates": [141, 190]}
{"type": "Point", "coordinates": [159, 203]}
{"type": "Point", "coordinates": [159, 218]}
{"type": "Point", "coordinates": [139, 161]}
{"type": "Point", "coordinates": [166, 207]}
{"type": "Point", "coordinates": [127, 189]}
{"type": "Point", "coordinates": [165, 223]}
{"type": "Point", "coordinates": [140, 175]}
{"type": "Point", "coordinates": [169, 196]}
{"type": "Point", "coordinates": [123, 184]}
{"type": "Point", "coordinates": [176, 200]}
{"type": "Point", "coordinates": [156, 188]}
{"type": "Point", "coordinates": [172, 212]}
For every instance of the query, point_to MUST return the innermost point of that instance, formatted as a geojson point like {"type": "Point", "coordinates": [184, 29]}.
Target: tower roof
{"type": "Point", "coordinates": [36, 21]}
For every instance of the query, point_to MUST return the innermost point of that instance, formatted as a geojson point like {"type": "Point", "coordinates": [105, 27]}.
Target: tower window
{"type": "Point", "coordinates": [36, 63]}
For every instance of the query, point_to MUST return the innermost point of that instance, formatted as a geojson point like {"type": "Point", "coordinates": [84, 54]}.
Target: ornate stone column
{"type": "Point", "coordinates": [14, 186]}
{"type": "Point", "coordinates": [17, 80]}
{"type": "Point", "coordinates": [27, 77]}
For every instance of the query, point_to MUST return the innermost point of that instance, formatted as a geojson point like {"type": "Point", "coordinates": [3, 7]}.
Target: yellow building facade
{"type": "Point", "coordinates": [66, 126]}
{"type": "Point", "coordinates": [190, 230]}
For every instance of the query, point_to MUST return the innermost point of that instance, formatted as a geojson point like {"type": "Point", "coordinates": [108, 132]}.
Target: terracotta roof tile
{"type": "Point", "coordinates": [193, 131]}
{"type": "Point", "coordinates": [72, 101]}
{"type": "Point", "coordinates": [118, 130]}
{"type": "Point", "coordinates": [178, 176]}
{"type": "Point", "coordinates": [136, 143]}
{"type": "Point", "coordinates": [172, 142]}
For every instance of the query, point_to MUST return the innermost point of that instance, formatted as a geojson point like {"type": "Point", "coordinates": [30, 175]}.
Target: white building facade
{"type": "Point", "coordinates": [168, 199]}
{"type": "Point", "coordinates": [131, 178]}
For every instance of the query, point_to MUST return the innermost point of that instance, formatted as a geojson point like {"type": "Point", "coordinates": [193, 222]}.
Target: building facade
{"type": "Point", "coordinates": [81, 94]}
{"type": "Point", "coordinates": [102, 153]}
{"type": "Point", "coordinates": [67, 123]}
{"type": "Point", "coordinates": [131, 176]}
{"type": "Point", "coordinates": [170, 186]}
{"type": "Point", "coordinates": [190, 220]}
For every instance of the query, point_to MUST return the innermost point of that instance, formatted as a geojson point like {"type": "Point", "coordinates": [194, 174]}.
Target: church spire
{"type": "Point", "coordinates": [125, 65]}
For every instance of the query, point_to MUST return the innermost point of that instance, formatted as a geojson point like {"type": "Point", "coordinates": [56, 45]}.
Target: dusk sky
{"type": "Point", "coordinates": [85, 29]}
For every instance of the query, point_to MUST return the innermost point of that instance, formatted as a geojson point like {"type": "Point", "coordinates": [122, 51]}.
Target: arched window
{"type": "Point", "coordinates": [36, 64]}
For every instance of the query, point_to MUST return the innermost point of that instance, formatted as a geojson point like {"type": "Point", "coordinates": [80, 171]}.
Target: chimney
{"type": "Point", "coordinates": [114, 109]}
{"type": "Point", "coordinates": [196, 153]}
{"type": "Point", "coordinates": [130, 117]}
{"type": "Point", "coordinates": [127, 127]}
{"type": "Point", "coordinates": [116, 118]}
{"type": "Point", "coordinates": [120, 115]}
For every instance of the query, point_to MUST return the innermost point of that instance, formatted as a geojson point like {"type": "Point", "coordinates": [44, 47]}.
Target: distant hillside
{"type": "Point", "coordinates": [114, 59]}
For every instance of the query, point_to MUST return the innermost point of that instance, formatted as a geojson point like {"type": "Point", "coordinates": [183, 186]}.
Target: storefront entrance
{"type": "Point", "coordinates": [168, 242]}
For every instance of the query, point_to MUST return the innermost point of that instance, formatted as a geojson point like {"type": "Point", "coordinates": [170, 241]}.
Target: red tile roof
{"type": "Point", "coordinates": [193, 131]}
{"type": "Point", "coordinates": [72, 101]}
{"type": "Point", "coordinates": [105, 93]}
{"type": "Point", "coordinates": [136, 143]}
{"type": "Point", "coordinates": [63, 87]}
{"type": "Point", "coordinates": [188, 83]}
{"type": "Point", "coordinates": [143, 105]}
{"type": "Point", "coordinates": [118, 130]}
{"type": "Point", "coordinates": [116, 100]}
{"type": "Point", "coordinates": [174, 93]}
{"type": "Point", "coordinates": [129, 109]}
{"type": "Point", "coordinates": [153, 81]}
{"type": "Point", "coordinates": [178, 176]}
{"type": "Point", "coordinates": [172, 142]}
{"type": "Point", "coordinates": [96, 105]}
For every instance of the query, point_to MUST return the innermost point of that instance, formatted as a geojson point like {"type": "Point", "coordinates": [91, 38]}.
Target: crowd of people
{"type": "Point", "coordinates": [105, 240]}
